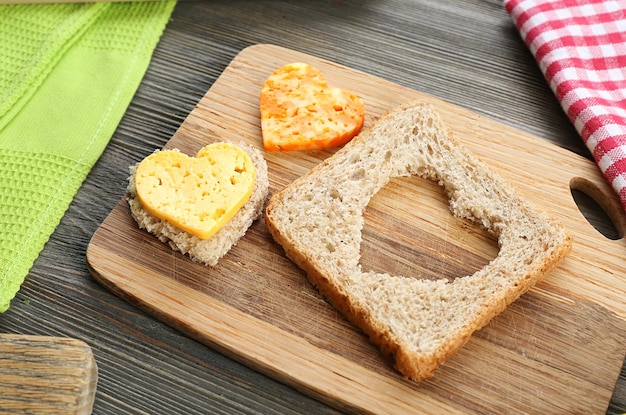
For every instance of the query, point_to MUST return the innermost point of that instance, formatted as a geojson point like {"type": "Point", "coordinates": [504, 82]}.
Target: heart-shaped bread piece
{"type": "Point", "coordinates": [318, 219]}
{"type": "Point", "coordinates": [196, 194]}
{"type": "Point", "coordinates": [299, 111]}
{"type": "Point", "coordinates": [207, 251]}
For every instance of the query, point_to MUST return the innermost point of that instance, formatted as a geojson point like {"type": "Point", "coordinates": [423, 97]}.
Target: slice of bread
{"type": "Point", "coordinates": [318, 220]}
{"type": "Point", "coordinates": [207, 251]}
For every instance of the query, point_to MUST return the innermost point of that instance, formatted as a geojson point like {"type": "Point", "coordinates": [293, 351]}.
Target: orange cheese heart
{"type": "Point", "coordinates": [196, 194]}
{"type": "Point", "coordinates": [299, 111]}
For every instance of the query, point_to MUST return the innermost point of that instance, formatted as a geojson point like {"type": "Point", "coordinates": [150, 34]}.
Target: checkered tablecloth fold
{"type": "Point", "coordinates": [580, 46]}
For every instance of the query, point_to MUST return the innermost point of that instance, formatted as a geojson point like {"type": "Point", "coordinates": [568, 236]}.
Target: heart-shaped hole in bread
{"type": "Point", "coordinates": [408, 230]}
{"type": "Point", "coordinates": [196, 194]}
{"type": "Point", "coordinates": [299, 111]}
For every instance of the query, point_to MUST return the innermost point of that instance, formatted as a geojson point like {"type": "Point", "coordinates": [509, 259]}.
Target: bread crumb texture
{"type": "Point", "coordinates": [318, 220]}
{"type": "Point", "coordinates": [200, 206]}
{"type": "Point", "coordinates": [299, 111]}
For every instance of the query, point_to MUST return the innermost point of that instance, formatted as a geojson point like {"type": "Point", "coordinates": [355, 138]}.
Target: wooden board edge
{"type": "Point", "coordinates": [236, 334]}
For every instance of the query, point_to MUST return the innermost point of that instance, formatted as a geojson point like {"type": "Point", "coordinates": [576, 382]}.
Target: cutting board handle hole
{"type": "Point", "coordinates": [604, 212]}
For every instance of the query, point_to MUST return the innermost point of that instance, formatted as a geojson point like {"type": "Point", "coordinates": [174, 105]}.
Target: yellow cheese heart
{"type": "Point", "coordinates": [196, 194]}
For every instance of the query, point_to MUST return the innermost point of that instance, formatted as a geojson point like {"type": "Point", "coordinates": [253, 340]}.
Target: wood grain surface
{"type": "Point", "coordinates": [466, 52]}
{"type": "Point", "coordinates": [257, 307]}
{"type": "Point", "coordinates": [46, 375]}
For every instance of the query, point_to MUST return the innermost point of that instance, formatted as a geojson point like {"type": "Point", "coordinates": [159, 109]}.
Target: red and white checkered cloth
{"type": "Point", "coordinates": [580, 46]}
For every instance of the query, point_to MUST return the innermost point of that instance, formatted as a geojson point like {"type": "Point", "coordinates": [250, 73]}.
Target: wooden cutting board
{"type": "Point", "coordinates": [46, 375]}
{"type": "Point", "coordinates": [558, 349]}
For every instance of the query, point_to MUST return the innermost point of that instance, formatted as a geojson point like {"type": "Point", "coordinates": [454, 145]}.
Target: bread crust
{"type": "Point", "coordinates": [299, 218]}
{"type": "Point", "coordinates": [207, 251]}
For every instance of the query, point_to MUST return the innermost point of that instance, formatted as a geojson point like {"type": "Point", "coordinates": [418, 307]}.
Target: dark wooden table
{"type": "Point", "coordinates": [463, 51]}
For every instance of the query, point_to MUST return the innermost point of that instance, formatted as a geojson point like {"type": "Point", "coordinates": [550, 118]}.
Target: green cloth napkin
{"type": "Point", "coordinates": [67, 75]}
